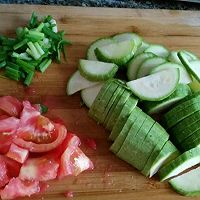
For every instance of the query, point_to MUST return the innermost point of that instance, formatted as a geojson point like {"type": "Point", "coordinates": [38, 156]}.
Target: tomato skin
{"type": "Point", "coordinates": [73, 161]}
{"type": "Point", "coordinates": [61, 133]}
{"type": "Point", "coordinates": [10, 105]}
{"type": "Point", "coordinates": [17, 153]}
{"type": "Point", "coordinates": [4, 179]}
{"type": "Point", "coordinates": [40, 169]}
{"type": "Point", "coordinates": [18, 188]}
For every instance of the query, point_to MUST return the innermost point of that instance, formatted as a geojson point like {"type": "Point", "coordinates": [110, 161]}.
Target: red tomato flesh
{"type": "Point", "coordinates": [17, 153]}
{"type": "Point", "coordinates": [4, 179]}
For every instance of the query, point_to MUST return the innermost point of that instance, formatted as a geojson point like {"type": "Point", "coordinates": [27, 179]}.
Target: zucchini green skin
{"type": "Point", "coordinates": [178, 165]}
{"type": "Point", "coordinates": [97, 77]}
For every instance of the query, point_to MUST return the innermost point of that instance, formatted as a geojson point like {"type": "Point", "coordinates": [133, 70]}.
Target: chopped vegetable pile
{"type": "Point", "coordinates": [158, 82]}
{"type": "Point", "coordinates": [35, 47]}
{"type": "Point", "coordinates": [34, 149]}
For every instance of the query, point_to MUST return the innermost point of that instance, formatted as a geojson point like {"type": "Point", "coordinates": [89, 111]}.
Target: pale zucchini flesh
{"type": "Point", "coordinates": [158, 50]}
{"type": "Point", "coordinates": [77, 82]}
{"type": "Point", "coordinates": [157, 86]}
{"type": "Point", "coordinates": [88, 95]}
{"type": "Point", "coordinates": [119, 53]}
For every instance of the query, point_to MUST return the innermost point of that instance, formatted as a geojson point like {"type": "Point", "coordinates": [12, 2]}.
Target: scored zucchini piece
{"type": "Point", "coordinates": [152, 107]}
{"type": "Point", "coordinates": [146, 67]}
{"type": "Point", "coordinates": [187, 184]}
{"type": "Point", "coordinates": [192, 66]}
{"type": "Point", "coordinates": [97, 71]}
{"type": "Point", "coordinates": [88, 95]}
{"type": "Point", "coordinates": [135, 63]}
{"type": "Point", "coordinates": [183, 162]}
{"type": "Point", "coordinates": [128, 36]}
{"type": "Point", "coordinates": [142, 48]}
{"type": "Point", "coordinates": [173, 57]}
{"type": "Point", "coordinates": [185, 77]}
{"type": "Point", "coordinates": [157, 86]}
{"type": "Point", "coordinates": [77, 82]}
{"type": "Point", "coordinates": [119, 53]}
{"type": "Point", "coordinates": [98, 43]}
{"type": "Point", "coordinates": [158, 50]}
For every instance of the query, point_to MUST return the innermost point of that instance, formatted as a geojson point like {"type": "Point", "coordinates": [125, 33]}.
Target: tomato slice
{"type": "Point", "coordinates": [8, 127]}
{"type": "Point", "coordinates": [41, 169]}
{"type": "Point", "coordinates": [12, 166]}
{"type": "Point", "coordinates": [73, 161]}
{"type": "Point", "coordinates": [10, 105]}
{"type": "Point", "coordinates": [60, 131]}
{"type": "Point", "coordinates": [4, 179]}
{"type": "Point", "coordinates": [17, 153]}
{"type": "Point", "coordinates": [18, 188]}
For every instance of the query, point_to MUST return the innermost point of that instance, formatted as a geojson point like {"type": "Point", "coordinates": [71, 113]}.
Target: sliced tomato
{"type": "Point", "coordinates": [59, 132]}
{"type": "Point", "coordinates": [4, 179]}
{"type": "Point", "coordinates": [17, 153]}
{"type": "Point", "coordinates": [41, 169]}
{"type": "Point", "coordinates": [73, 161]}
{"type": "Point", "coordinates": [70, 140]}
{"type": "Point", "coordinates": [8, 127]}
{"type": "Point", "coordinates": [10, 105]}
{"type": "Point", "coordinates": [12, 166]}
{"type": "Point", "coordinates": [18, 188]}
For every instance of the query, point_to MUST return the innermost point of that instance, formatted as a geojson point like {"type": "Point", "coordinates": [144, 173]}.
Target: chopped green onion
{"type": "Point", "coordinates": [24, 56]}
{"type": "Point", "coordinates": [15, 55]}
{"type": "Point", "coordinates": [35, 35]}
{"type": "Point", "coordinates": [51, 34]}
{"type": "Point", "coordinates": [29, 52]}
{"type": "Point", "coordinates": [20, 33]}
{"type": "Point", "coordinates": [29, 78]}
{"type": "Point", "coordinates": [25, 66]}
{"type": "Point", "coordinates": [8, 41]}
{"type": "Point", "coordinates": [44, 65]}
{"type": "Point", "coordinates": [34, 51]}
{"type": "Point", "coordinates": [3, 57]}
{"type": "Point", "coordinates": [12, 65]}
{"type": "Point", "coordinates": [20, 44]}
{"type": "Point", "coordinates": [12, 73]}
{"type": "Point", "coordinates": [40, 27]}
{"type": "Point", "coordinates": [2, 64]}
{"type": "Point", "coordinates": [48, 18]}
{"type": "Point", "coordinates": [39, 49]}
{"type": "Point", "coordinates": [33, 21]}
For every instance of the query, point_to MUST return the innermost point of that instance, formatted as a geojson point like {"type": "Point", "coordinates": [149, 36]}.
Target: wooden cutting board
{"type": "Point", "coordinates": [111, 178]}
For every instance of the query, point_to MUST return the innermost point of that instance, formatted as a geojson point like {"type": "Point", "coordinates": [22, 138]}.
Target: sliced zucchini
{"type": "Point", "coordinates": [173, 57]}
{"type": "Point", "coordinates": [119, 53]}
{"type": "Point", "coordinates": [158, 106]}
{"type": "Point", "coordinates": [185, 77]}
{"type": "Point", "coordinates": [96, 70]}
{"type": "Point", "coordinates": [190, 56]}
{"type": "Point", "coordinates": [168, 153]}
{"type": "Point", "coordinates": [128, 36]}
{"type": "Point", "coordinates": [88, 95]}
{"type": "Point", "coordinates": [183, 162]}
{"type": "Point", "coordinates": [142, 48]}
{"type": "Point", "coordinates": [146, 67]}
{"type": "Point", "coordinates": [187, 184]}
{"type": "Point", "coordinates": [127, 109]}
{"type": "Point", "coordinates": [158, 50]}
{"type": "Point", "coordinates": [195, 85]}
{"type": "Point", "coordinates": [77, 82]}
{"type": "Point", "coordinates": [135, 63]}
{"type": "Point", "coordinates": [98, 43]}
{"type": "Point", "coordinates": [192, 66]}
{"type": "Point", "coordinates": [157, 86]}
{"type": "Point", "coordinates": [118, 108]}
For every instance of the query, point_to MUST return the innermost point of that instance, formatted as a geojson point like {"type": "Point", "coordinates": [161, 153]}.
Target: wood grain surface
{"type": "Point", "coordinates": [112, 179]}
